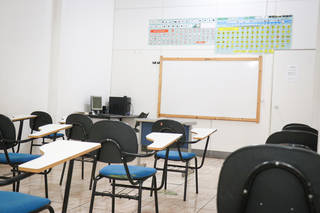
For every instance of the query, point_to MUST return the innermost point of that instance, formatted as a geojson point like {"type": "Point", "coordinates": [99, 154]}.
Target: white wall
{"type": "Point", "coordinates": [134, 75]}
{"type": "Point", "coordinates": [25, 36]}
{"type": "Point", "coordinates": [54, 54]}
{"type": "Point", "coordinates": [84, 54]}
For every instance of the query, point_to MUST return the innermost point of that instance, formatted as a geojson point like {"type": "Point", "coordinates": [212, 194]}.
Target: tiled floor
{"type": "Point", "coordinates": [169, 201]}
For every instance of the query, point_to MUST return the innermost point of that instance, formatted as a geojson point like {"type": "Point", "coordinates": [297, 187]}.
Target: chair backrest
{"type": "Point", "coordinates": [298, 137]}
{"type": "Point", "coordinates": [118, 131]}
{"type": "Point", "coordinates": [7, 131]}
{"type": "Point", "coordinates": [170, 126]}
{"type": "Point", "coordinates": [43, 118]}
{"type": "Point", "coordinates": [269, 178]}
{"type": "Point", "coordinates": [81, 126]}
{"type": "Point", "coordinates": [297, 126]}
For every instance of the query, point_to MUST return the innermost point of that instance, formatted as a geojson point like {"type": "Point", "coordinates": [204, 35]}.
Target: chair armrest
{"type": "Point", "coordinates": [14, 179]}
{"type": "Point", "coordinates": [139, 154]}
{"type": "Point", "coordinates": [26, 140]}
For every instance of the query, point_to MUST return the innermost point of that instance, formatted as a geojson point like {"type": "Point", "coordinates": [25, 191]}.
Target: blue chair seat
{"type": "Point", "coordinates": [118, 171]}
{"type": "Point", "coordinates": [52, 135]}
{"type": "Point", "coordinates": [174, 155]}
{"type": "Point", "coordinates": [17, 157]}
{"type": "Point", "coordinates": [13, 202]}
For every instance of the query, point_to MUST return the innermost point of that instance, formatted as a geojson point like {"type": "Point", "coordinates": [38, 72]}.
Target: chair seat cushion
{"type": "Point", "coordinates": [13, 202]}
{"type": "Point", "coordinates": [174, 155]}
{"type": "Point", "coordinates": [59, 135]}
{"type": "Point", "coordinates": [17, 158]}
{"type": "Point", "coordinates": [118, 171]}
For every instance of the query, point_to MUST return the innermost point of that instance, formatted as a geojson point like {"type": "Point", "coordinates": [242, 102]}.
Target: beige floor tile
{"type": "Point", "coordinates": [170, 201]}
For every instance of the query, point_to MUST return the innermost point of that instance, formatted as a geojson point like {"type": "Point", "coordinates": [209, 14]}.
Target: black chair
{"type": "Point", "coordinates": [172, 126]}
{"type": "Point", "coordinates": [142, 115]}
{"type": "Point", "coordinates": [43, 118]}
{"type": "Point", "coordinates": [298, 126]}
{"type": "Point", "coordinates": [119, 147]}
{"type": "Point", "coordinates": [13, 159]}
{"type": "Point", "coordinates": [295, 138]}
{"type": "Point", "coordinates": [81, 126]}
{"type": "Point", "coordinates": [12, 202]}
{"type": "Point", "coordinates": [269, 178]}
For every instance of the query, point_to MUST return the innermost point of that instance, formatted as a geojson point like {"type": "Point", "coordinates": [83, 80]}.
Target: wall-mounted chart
{"type": "Point", "coordinates": [253, 34]}
{"type": "Point", "coordinates": [183, 31]}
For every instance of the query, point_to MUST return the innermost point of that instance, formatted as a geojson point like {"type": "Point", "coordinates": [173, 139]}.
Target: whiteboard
{"type": "Point", "coordinates": [210, 88]}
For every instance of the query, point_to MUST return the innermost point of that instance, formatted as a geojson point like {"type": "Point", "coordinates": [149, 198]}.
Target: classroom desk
{"type": "Point", "coordinates": [161, 141]}
{"type": "Point", "coordinates": [112, 116]}
{"type": "Point", "coordinates": [49, 129]}
{"type": "Point", "coordinates": [56, 153]}
{"type": "Point", "coordinates": [202, 133]}
{"type": "Point", "coordinates": [21, 118]}
{"type": "Point", "coordinates": [146, 127]}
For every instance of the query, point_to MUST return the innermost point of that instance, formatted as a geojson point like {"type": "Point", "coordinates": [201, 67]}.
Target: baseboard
{"type": "Point", "coordinates": [212, 154]}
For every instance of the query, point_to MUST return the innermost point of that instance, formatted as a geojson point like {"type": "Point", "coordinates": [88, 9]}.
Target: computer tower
{"type": "Point", "coordinates": [119, 105]}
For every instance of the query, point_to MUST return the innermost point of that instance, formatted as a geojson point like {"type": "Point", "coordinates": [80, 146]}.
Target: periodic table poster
{"type": "Point", "coordinates": [182, 31]}
{"type": "Point", "coordinates": [253, 34]}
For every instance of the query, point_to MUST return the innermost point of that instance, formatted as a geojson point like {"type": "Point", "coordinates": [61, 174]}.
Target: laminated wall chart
{"type": "Point", "coordinates": [188, 31]}
{"type": "Point", "coordinates": [253, 34]}
{"type": "Point", "coordinates": [228, 35]}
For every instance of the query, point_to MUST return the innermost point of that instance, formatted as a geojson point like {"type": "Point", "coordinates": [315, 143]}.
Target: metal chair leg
{"type": "Point", "coordinates": [50, 209]}
{"type": "Point", "coordinates": [92, 195]}
{"type": "Point", "coordinates": [196, 173]}
{"type": "Point", "coordinates": [154, 166]}
{"type": "Point", "coordinates": [154, 180]}
{"type": "Point", "coordinates": [46, 184]}
{"type": "Point", "coordinates": [140, 197]}
{"type": "Point", "coordinates": [185, 181]}
{"type": "Point", "coordinates": [93, 171]}
{"type": "Point", "coordinates": [31, 145]}
{"type": "Point", "coordinates": [82, 167]}
{"type": "Point", "coordinates": [62, 173]}
{"type": "Point", "coordinates": [113, 194]}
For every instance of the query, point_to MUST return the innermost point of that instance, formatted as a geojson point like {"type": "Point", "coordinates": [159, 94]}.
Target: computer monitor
{"type": "Point", "coordinates": [119, 105]}
{"type": "Point", "coordinates": [96, 103]}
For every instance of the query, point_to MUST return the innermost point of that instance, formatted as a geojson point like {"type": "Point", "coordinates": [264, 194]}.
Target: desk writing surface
{"type": "Point", "coordinates": [162, 140]}
{"type": "Point", "coordinates": [58, 152]}
{"type": "Point", "coordinates": [49, 129]}
{"type": "Point", "coordinates": [21, 117]}
{"type": "Point", "coordinates": [201, 133]}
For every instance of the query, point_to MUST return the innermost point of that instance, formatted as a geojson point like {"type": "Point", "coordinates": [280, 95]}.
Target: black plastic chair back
{"type": "Point", "coordinates": [170, 126]}
{"type": "Point", "coordinates": [274, 188]}
{"type": "Point", "coordinates": [7, 132]}
{"type": "Point", "coordinates": [297, 126]}
{"type": "Point", "coordinates": [81, 126]}
{"type": "Point", "coordinates": [118, 131]}
{"type": "Point", "coordinates": [295, 137]}
{"type": "Point", "coordinates": [43, 118]}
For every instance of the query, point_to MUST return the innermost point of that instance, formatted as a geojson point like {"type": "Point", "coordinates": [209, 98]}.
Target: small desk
{"type": "Point", "coordinates": [113, 116]}
{"type": "Point", "coordinates": [21, 118]}
{"type": "Point", "coordinates": [49, 129]}
{"type": "Point", "coordinates": [56, 153]}
{"type": "Point", "coordinates": [146, 127]}
{"type": "Point", "coordinates": [202, 133]}
{"type": "Point", "coordinates": [161, 140]}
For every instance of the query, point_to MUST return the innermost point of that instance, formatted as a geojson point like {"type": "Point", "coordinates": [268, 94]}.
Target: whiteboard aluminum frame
{"type": "Point", "coordinates": [256, 119]}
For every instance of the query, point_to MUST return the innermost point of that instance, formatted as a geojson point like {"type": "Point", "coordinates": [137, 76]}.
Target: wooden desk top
{"type": "Point", "coordinates": [21, 117]}
{"type": "Point", "coordinates": [161, 140]}
{"type": "Point", "coordinates": [202, 133]}
{"type": "Point", "coordinates": [56, 153]}
{"type": "Point", "coordinates": [49, 129]}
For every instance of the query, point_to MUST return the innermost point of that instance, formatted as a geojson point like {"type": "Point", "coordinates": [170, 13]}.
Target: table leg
{"type": "Point", "coordinates": [67, 189]}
